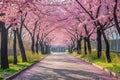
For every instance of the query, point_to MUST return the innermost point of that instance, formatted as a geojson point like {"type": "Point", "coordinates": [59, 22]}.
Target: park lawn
{"type": "Point", "coordinates": [113, 66]}
{"type": "Point", "coordinates": [32, 58]}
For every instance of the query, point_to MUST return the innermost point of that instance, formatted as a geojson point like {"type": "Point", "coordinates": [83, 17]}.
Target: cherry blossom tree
{"type": "Point", "coordinates": [10, 13]}
{"type": "Point", "coordinates": [40, 18]}
{"type": "Point", "coordinates": [102, 12]}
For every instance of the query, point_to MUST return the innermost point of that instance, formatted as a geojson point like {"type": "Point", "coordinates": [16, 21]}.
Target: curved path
{"type": "Point", "coordinates": [63, 67]}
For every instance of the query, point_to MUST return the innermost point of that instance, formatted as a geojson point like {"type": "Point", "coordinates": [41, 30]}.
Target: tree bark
{"type": "Point", "coordinates": [79, 46]}
{"type": "Point", "coordinates": [33, 45]}
{"type": "Point", "coordinates": [42, 48]}
{"type": "Point", "coordinates": [14, 48]}
{"type": "Point", "coordinates": [21, 46]}
{"type": "Point", "coordinates": [107, 48]}
{"type": "Point", "coordinates": [4, 46]}
{"type": "Point", "coordinates": [36, 45]}
{"type": "Point", "coordinates": [99, 44]}
{"type": "Point", "coordinates": [88, 44]}
{"type": "Point", "coordinates": [85, 47]}
{"type": "Point", "coordinates": [69, 49]}
{"type": "Point", "coordinates": [37, 50]}
{"type": "Point", "coordinates": [47, 49]}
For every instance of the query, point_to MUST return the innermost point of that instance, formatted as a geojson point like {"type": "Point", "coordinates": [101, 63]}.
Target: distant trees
{"type": "Point", "coordinates": [76, 39]}
{"type": "Point", "coordinates": [44, 40]}
{"type": "Point", "coordinates": [32, 35]}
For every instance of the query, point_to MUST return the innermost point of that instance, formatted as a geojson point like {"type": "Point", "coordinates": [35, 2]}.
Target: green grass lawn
{"type": "Point", "coordinates": [113, 66]}
{"type": "Point", "coordinates": [32, 58]}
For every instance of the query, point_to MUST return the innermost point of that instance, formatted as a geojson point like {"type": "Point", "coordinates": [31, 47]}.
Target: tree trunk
{"type": "Point", "coordinates": [107, 48]}
{"type": "Point", "coordinates": [21, 46]}
{"type": "Point", "coordinates": [85, 48]}
{"type": "Point", "coordinates": [79, 46]}
{"type": "Point", "coordinates": [99, 44]}
{"type": "Point", "coordinates": [36, 45]}
{"type": "Point", "coordinates": [69, 49]}
{"type": "Point", "coordinates": [47, 49]}
{"type": "Point", "coordinates": [33, 45]}
{"type": "Point", "coordinates": [4, 46]}
{"type": "Point", "coordinates": [42, 48]}
{"type": "Point", "coordinates": [88, 44]}
{"type": "Point", "coordinates": [14, 48]}
{"type": "Point", "coordinates": [73, 46]}
{"type": "Point", "coordinates": [115, 17]}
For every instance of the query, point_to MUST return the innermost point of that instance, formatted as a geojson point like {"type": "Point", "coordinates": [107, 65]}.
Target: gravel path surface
{"type": "Point", "coordinates": [63, 67]}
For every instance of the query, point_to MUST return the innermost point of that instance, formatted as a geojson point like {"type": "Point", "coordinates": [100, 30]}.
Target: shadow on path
{"type": "Point", "coordinates": [63, 67]}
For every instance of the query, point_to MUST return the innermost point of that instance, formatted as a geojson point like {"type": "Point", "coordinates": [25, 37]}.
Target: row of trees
{"type": "Point", "coordinates": [94, 17]}
{"type": "Point", "coordinates": [82, 19]}
{"type": "Point", "coordinates": [24, 20]}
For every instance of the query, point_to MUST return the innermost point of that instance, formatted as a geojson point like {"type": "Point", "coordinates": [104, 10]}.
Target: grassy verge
{"type": "Point", "coordinates": [16, 68]}
{"type": "Point", "coordinates": [113, 66]}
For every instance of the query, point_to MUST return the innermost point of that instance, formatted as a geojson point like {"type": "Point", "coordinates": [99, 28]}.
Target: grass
{"type": "Point", "coordinates": [32, 58]}
{"type": "Point", "coordinates": [113, 66]}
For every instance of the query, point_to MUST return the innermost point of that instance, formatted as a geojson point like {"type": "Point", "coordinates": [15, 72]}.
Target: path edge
{"type": "Point", "coordinates": [109, 72]}
{"type": "Point", "coordinates": [17, 73]}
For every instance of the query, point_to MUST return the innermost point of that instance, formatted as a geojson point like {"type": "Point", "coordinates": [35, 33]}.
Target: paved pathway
{"type": "Point", "coordinates": [63, 67]}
